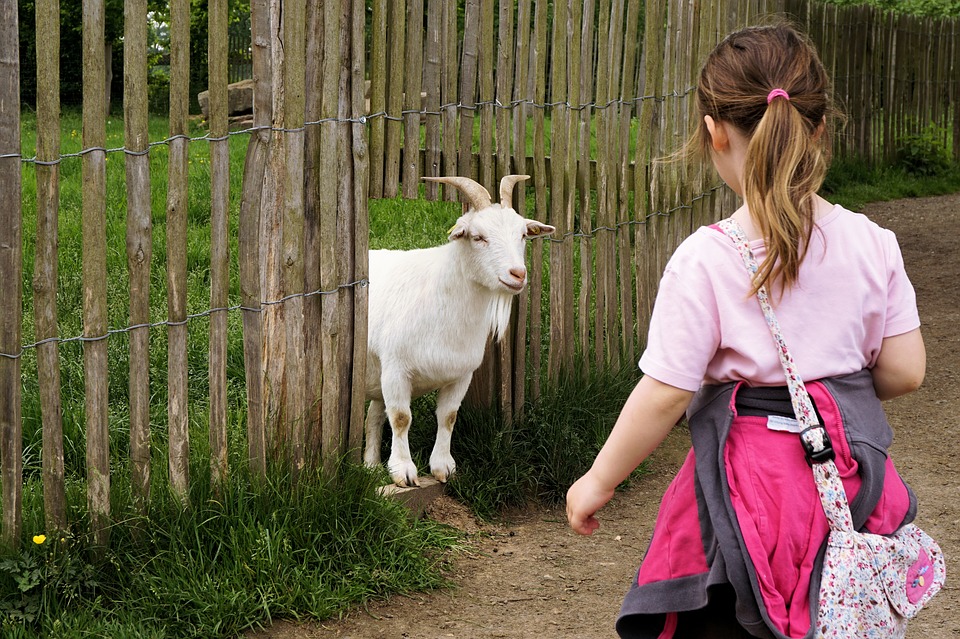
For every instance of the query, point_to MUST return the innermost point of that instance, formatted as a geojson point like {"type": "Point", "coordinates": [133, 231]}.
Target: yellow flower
{"type": "Point", "coordinates": [39, 539]}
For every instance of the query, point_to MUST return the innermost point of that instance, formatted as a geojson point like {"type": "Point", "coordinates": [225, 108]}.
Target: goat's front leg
{"type": "Point", "coordinates": [449, 399]}
{"type": "Point", "coordinates": [396, 398]}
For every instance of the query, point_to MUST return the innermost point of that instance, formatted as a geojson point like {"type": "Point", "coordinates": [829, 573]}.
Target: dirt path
{"type": "Point", "coordinates": [533, 577]}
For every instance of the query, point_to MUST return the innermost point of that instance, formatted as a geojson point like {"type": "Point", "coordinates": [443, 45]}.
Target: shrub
{"type": "Point", "coordinates": [924, 153]}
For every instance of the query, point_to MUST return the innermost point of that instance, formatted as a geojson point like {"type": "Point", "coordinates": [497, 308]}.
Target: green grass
{"type": "Point", "coordinates": [232, 561]}
{"type": "Point", "coordinates": [854, 184]}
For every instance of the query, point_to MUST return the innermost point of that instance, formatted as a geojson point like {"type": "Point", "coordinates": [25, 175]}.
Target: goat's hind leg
{"type": "Point", "coordinates": [373, 428]}
{"type": "Point", "coordinates": [442, 465]}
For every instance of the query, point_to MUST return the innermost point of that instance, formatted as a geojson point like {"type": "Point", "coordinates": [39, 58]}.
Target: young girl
{"type": "Point", "coordinates": [736, 549]}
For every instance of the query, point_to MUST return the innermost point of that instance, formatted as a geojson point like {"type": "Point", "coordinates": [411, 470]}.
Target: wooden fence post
{"type": "Point", "coordinates": [178, 428]}
{"type": "Point", "coordinates": [219, 236]}
{"type": "Point", "coordinates": [11, 275]}
{"type": "Point", "coordinates": [45, 263]}
{"type": "Point", "coordinates": [139, 242]}
{"type": "Point", "coordinates": [248, 243]}
{"type": "Point", "coordinates": [95, 273]}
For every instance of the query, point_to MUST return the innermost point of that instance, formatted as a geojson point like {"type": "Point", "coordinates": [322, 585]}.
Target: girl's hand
{"type": "Point", "coordinates": [584, 499]}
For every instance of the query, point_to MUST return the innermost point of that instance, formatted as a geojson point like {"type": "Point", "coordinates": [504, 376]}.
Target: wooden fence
{"type": "Point", "coordinates": [580, 94]}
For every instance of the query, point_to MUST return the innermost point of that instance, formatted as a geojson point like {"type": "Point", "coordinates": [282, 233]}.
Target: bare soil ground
{"type": "Point", "coordinates": [530, 576]}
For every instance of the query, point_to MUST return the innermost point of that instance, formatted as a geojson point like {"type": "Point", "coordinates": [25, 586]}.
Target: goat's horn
{"type": "Point", "coordinates": [477, 196]}
{"type": "Point", "coordinates": [506, 189]}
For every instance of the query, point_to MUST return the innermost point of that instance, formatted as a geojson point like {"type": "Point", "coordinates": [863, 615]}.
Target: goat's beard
{"type": "Point", "coordinates": [500, 315]}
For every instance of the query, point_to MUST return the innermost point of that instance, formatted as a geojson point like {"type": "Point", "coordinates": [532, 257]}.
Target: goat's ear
{"type": "Point", "coordinates": [535, 229]}
{"type": "Point", "coordinates": [457, 231]}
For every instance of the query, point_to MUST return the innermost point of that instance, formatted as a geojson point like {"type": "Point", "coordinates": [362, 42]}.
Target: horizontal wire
{"type": "Point", "coordinates": [128, 329]}
{"type": "Point", "coordinates": [363, 119]}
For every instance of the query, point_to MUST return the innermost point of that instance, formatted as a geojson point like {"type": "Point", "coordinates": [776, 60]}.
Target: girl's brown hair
{"type": "Point", "coordinates": [789, 147]}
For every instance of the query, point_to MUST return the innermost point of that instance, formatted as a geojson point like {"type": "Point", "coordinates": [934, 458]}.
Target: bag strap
{"type": "Point", "coordinates": [813, 436]}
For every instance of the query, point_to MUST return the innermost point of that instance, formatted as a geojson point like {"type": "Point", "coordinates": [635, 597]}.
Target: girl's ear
{"type": "Point", "coordinates": [719, 139]}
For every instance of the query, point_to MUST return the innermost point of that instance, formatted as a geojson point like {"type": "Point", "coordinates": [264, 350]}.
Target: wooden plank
{"type": "Point", "coordinates": [177, 193]}
{"type": "Point", "coordinates": [94, 273]}
{"type": "Point", "coordinates": [397, 17]}
{"type": "Point", "coordinates": [378, 91]}
{"type": "Point", "coordinates": [248, 243]}
{"type": "Point", "coordinates": [45, 260]}
{"type": "Point", "coordinates": [11, 276]}
{"type": "Point", "coordinates": [413, 81]}
{"type": "Point", "coordinates": [139, 243]}
{"type": "Point", "coordinates": [293, 238]}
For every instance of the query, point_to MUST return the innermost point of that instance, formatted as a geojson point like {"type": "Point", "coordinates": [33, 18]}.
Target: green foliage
{"type": "Point", "coordinates": [932, 8]}
{"type": "Point", "coordinates": [925, 153]}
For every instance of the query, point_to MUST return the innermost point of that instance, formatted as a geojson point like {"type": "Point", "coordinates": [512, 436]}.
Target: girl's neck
{"type": "Point", "coordinates": [752, 230]}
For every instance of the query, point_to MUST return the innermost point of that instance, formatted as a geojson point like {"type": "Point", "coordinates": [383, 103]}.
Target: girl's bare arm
{"type": "Point", "coordinates": [901, 365]}
{"type": "Point", "coordinates": [649, 414]}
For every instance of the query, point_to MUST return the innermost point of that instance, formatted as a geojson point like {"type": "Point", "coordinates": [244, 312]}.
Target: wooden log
{"type": "Point", "coordinates": [485, 55]}
{"type": "Point", "coordinates": [468, 87]}
{"type": "Point", "coordinates": [45, 261]}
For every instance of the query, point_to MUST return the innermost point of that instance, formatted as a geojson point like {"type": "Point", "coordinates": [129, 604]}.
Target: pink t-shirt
{"type": "Point", "coordinates": [852, 292]}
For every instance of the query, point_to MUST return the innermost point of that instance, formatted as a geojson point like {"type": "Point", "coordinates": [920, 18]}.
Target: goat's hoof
{"type": "Point", "coordinates": [443, 471]}
{"type": "Point", "coordinates": [405, 475]}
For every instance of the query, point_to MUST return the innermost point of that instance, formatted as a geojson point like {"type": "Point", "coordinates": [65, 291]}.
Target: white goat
{"type": "Point", "coordinates": [431, 312]}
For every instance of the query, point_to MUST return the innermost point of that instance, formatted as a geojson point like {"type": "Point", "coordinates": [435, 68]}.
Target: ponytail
{"type": "Point", "coordinates": [784, 168]}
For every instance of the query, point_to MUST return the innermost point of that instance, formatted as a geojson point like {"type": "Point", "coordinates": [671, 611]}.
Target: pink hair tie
{"type": "Point", "coordinates": [777, 93]}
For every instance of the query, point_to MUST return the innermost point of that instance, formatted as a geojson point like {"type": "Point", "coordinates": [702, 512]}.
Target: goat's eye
{"type": "Point", "coordinates": [479, 239]}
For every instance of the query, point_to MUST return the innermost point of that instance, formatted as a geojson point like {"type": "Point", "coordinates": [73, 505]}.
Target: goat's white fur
{"type": "Point", "coordinates": [431, 313]}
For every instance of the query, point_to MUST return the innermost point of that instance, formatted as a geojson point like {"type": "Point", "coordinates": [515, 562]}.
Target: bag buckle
{"type": "Point", "coordinates": [817, 456]}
